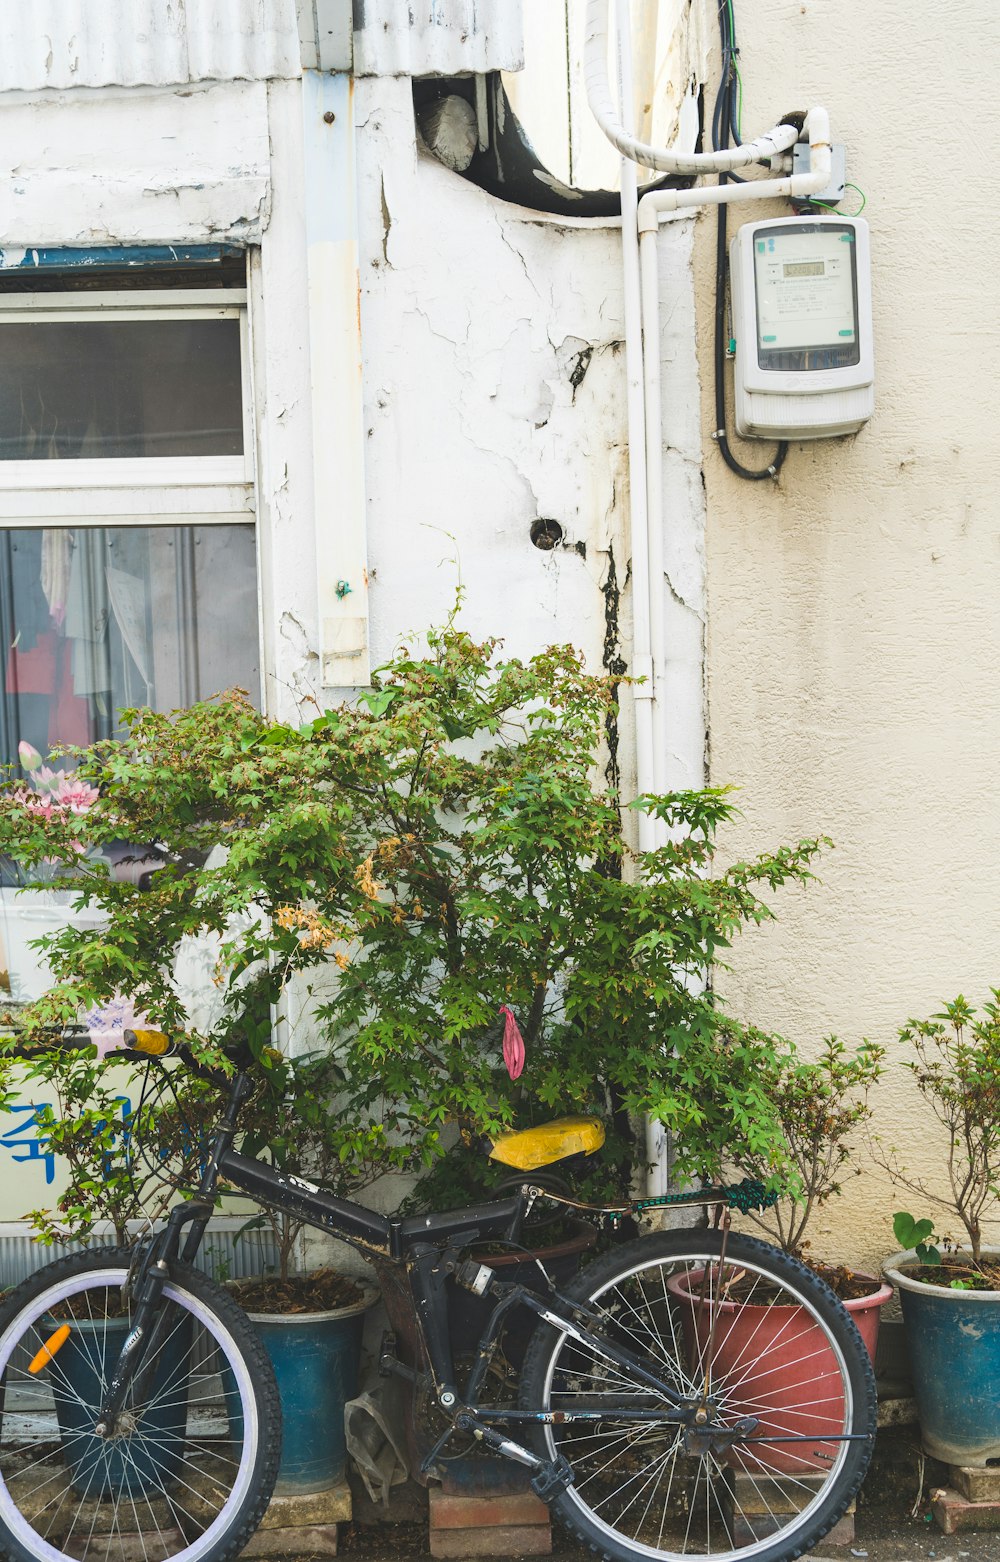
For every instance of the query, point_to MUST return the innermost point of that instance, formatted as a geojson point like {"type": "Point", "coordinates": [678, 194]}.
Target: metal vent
{"type": "Point", "coordinates": [225, 1253]}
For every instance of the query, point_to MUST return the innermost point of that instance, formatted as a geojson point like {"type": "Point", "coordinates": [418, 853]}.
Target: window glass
{"type": "Point", "coordinates": [84, 389]}
{"type": "Point", "coordinates": [95, 618]}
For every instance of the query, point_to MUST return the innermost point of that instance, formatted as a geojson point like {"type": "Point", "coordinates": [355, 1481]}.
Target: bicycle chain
{"type": "Point", "coordinates": [750, 1194]}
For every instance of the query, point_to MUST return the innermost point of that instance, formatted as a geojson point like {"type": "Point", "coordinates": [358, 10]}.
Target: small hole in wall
{"type": "Point", "coordinates": [546, 534]}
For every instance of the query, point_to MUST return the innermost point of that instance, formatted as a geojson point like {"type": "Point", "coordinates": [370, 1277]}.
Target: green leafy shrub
{"type": "Point", "coordinates": [124, 1156]}
{"type": "Point", "coordinates": [418, 859]}
{"type": "Point", "coordinates": [820, 1106]}
{"type": "Point", "coordinates": [956, 1065]}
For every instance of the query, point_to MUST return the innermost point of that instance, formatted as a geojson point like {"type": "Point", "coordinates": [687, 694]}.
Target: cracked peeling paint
{"type": "Point", "coordinates": [386, 222]}
{"type": "Point", "coordinates": [971, 1330]}
{"type": "Point", "coordinates": [688, 607]}
{"type": "Point", "coordinates": [615, 666]}
{"type": "Point", "coordinates": [301, 666]}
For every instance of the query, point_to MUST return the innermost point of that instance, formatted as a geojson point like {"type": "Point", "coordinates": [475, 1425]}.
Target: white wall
{"type": "Point", "coordinates": [493, 377]}
{"type": "Point", "coordinates": [476, 320]}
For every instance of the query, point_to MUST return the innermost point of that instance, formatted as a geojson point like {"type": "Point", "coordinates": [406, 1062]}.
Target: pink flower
{"type": "Point", "coordinates": [33, 804]}
{"type": "Point", "coordinates": [29, 756]}
{"type": "Point", "coordinates": [75, 795]}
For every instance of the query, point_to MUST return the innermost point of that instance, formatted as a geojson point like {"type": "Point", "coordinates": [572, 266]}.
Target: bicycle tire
{"type": "Point", "coordinates": [190, 1475]}
{"type": "Point", "coordinates": [646, 1490]}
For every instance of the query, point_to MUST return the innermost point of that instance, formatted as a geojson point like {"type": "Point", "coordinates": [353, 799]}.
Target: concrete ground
{"type": "Point", "coordinates": [883, 1537]}
{"type": "Point", "coordinates": [893, 1521]}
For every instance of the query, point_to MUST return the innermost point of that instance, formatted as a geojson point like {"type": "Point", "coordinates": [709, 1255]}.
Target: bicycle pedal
{"type": "Point", "coordinates": [553, 1478]}
{"type": "Point", "coordinates": [389, 1365]}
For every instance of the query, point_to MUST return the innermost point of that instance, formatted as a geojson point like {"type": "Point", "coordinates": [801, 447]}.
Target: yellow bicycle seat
{"type": "Point", "coordinates": [532, 1147]}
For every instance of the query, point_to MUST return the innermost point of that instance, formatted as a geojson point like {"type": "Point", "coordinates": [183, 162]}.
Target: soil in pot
{"type": "Point", "coordinates": [322, 1291]}
{"type": "Point", "coordinates": [958, 1272]}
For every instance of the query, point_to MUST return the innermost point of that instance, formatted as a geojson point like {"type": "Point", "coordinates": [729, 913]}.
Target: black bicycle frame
{"type": "Point", "coordinates": [429, 1246]}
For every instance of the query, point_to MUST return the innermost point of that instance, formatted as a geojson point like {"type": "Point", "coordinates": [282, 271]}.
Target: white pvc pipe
{"type": "Point", "coordinates": [792, 187]}
{"type": "Point", "coordinates": [595, 71]}
{"type": "Point", "coordinates": [649, 286]}
{"type": "Point", "coordinates": [641, 660]}
{"type": "Point", "coordinates": [640, 224]}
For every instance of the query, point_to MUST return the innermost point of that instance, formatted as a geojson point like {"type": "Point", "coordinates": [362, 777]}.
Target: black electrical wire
{"type": "Point", "coordinates": [725, 127]}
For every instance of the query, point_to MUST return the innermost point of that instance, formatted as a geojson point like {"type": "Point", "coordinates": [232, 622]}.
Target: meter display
{"type": "Point", "coordinates": [806, 285]}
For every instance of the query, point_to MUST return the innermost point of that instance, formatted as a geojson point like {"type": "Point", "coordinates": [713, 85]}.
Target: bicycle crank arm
{"type": "Point", "coordinates": [548, 1476]}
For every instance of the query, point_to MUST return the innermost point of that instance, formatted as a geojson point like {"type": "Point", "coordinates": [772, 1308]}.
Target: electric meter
{"type": "Point", "coordinates": [802, 318]}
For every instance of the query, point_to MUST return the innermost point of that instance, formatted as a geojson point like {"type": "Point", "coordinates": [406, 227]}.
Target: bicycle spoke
{"type": "Point", "coordinates": [173, 1473]}
{"type": "Point", "coordinates": [739, 1343]}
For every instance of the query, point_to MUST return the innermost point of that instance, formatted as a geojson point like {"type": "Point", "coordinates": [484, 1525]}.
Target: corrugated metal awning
{"type": "Point", "coordinates": [436, 37]}
{"type": "Point", "coordinates": [132, 43]}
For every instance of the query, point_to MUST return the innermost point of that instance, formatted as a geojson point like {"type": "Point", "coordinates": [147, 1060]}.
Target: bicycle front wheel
{"type": "Point", "coordinates": [190, 1470]}
{"type": "Point", "coordinates": [767, 1355]}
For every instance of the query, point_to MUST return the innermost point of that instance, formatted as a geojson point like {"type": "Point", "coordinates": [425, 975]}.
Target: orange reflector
{"type": "Point", "coordinates": [52, 1344]}
{"type": "Point", "coordinates": [152, 1041]}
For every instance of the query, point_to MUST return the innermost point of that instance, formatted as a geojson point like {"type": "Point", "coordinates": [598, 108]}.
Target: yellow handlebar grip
{"type": "Point", "coordinates": [154, 1042]}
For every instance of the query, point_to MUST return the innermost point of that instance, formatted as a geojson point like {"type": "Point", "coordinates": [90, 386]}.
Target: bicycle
{"type": "Point", "coordinates": [139, 1413]}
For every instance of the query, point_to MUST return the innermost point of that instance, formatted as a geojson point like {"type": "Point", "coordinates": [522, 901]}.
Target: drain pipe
{"type": "Point", "coordinates": [654, 206]}
{"type": "Point", "coordinates": [639, 529]}
{"type": "Point", "coordinates": [647, 564]}
{"type": "Point", "coordinates": [640, 224]}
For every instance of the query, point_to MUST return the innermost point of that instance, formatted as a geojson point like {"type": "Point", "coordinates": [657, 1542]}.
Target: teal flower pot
{"type": "Point", "coordinates": [316, 1359]}
{"type": "Point", "coordinates": [954, 1347]}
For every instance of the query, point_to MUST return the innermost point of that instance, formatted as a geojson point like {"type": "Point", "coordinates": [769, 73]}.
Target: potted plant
{"type": "Point", "coordinates": [410, 864]}
{"type": "Point", "coordinates": [820, 1104]}
{"type": "Point", "coordinates": [401, 869]}
{"type": "Point", "coordinates": [951, 1301]}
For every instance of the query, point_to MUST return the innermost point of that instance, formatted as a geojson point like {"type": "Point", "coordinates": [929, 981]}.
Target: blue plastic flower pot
{"type": "Point", "coordinates": [316, 1359]}
{"type": "Point", "coordinates": [954, 1345]}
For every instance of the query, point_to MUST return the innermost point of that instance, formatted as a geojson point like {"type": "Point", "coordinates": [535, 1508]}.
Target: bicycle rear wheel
{"type": "Point", "coordinates": [760, 1343]}
{"type": "Point", "coordinates": [191, 1470]}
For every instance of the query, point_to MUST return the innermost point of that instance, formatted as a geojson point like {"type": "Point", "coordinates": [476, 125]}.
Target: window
{"type": "Point", "coordinates": [128, 551]}
{"type": "Point", "coordinates": [101, 389]}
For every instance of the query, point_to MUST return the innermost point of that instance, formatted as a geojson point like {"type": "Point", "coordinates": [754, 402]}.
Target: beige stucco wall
{"type": "Point", "coordinates": [853, 656]}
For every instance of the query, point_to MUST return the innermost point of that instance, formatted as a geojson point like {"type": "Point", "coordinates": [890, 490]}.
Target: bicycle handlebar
{"type": "Point", "coordinates": [140, 1044]}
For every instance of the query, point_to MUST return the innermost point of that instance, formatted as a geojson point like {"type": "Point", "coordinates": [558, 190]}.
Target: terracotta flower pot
{"type": "Point", "coordinates": [789, 1356]}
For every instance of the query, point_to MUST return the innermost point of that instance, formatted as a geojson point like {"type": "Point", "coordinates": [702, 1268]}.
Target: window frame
{"type": "Point", "coordinates": [139, 472]}
{"type": "Point", "coordinates": [175, 491]}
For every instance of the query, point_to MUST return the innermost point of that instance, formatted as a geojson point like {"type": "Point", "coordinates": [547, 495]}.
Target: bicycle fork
{"type": "Point", "coordinates": [153, 1315]}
